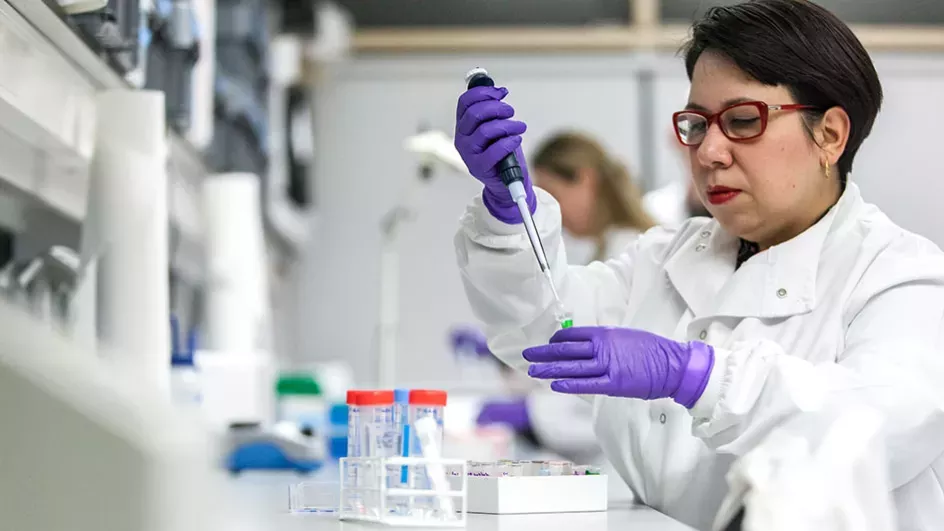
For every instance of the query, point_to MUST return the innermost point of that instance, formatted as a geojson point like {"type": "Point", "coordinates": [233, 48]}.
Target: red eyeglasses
{"type": "Point", "coordinates": [739, 122]}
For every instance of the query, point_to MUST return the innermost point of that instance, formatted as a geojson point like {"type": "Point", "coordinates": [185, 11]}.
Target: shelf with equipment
{"type": "Point", "coordinates": [655, 25]}
{"type": "Point", "coordinates": [49, 77]}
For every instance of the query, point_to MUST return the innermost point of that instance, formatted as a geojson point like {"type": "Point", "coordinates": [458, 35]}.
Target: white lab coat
{"type": "Point", "coordinates": [795, 480]}
{"type": "Point", "coordinates": [564, 423]}
{"type": "Point", "coordinates": [849, 312]}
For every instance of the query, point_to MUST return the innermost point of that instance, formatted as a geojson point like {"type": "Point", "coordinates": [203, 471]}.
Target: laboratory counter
{"type": "Point", "coordinates": [622, 516]}
{"type": "Point", "coordinates": [269, 492]}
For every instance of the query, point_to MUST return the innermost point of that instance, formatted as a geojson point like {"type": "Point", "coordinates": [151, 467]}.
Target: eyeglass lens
{"type": "Point", "coordinates": [740, 122]}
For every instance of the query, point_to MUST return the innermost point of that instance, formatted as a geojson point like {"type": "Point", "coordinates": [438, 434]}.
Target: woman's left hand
{"type": "Point", "coordinates": [622, 362]}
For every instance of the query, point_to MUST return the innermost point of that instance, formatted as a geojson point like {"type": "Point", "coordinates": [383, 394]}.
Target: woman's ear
{"type": "Point", "coordinates": [834, 130]}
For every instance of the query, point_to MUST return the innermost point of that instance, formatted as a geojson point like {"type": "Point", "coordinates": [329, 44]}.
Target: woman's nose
{"type": "Point", "coordinates": [715, 149]}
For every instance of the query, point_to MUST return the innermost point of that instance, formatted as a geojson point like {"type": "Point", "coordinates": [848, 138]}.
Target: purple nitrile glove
{"type": "Point", "coordinates": [469, 340]}
{"type": "Point", "coordinates": [623, 362]}
{"type": "Point", "coordinates": [485, 135]}
{"type": "Point", "coordinates": [513, 413]}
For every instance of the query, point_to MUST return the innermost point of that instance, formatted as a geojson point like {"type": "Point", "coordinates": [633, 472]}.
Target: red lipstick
{"type": "Point", "coordinates": [719, 195]}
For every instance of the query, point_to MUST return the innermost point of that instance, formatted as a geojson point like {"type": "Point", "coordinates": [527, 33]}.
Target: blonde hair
{"type": "Point", "coordinates": [619, 201]}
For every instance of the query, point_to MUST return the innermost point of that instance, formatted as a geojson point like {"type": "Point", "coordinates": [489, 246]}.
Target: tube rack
{"type": "Point", "coordinates": [372, 491]}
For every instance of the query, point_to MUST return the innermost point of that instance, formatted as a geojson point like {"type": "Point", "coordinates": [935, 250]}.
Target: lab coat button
{"type": "Point", "coordinates": [662, 418]}
{"type": "Point", "coordinates": [703, 334]}
{"type": "Point", "coordinates": [705, 233]}
{"type": "Point", "coordinates": [781, 293]}
{"type": "Point", "coordinates": [700, 247]}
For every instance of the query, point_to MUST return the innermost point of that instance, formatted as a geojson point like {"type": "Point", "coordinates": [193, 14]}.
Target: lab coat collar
{"type": "Point", "coordinates": [778, 282]}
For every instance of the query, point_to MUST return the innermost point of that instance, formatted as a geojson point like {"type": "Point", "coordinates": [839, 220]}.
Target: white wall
{"type": "Point", "coordinates": [365, 108]}
{"type": "Point", "coordinates": [900, 167]}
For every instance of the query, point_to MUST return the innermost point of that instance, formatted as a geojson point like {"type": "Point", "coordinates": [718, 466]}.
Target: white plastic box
{"type": "Point", "coordinates": [537, 494]}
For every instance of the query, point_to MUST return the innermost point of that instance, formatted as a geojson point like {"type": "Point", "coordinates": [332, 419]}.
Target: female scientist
{"type": "Point", "coordinates": [798, 297]}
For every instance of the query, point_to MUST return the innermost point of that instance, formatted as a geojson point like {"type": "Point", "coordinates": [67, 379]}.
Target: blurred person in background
{"type": "Point", "coordinates": [797, 300]}
{"type": "Point", "coordinates": [600, 203]}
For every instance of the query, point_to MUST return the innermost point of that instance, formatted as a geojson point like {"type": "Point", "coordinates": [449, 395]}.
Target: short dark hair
{"type": "Point", "coordinates": [802, 46]}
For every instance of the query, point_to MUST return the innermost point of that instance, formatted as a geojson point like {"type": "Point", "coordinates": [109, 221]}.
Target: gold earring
{"type": "Point", "coordinates": [826, 170]}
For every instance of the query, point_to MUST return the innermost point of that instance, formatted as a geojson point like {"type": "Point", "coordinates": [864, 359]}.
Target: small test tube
{"type": "Point", "coordinates": [509, 469]}
{"type": "Point", "coordinates": [558, 468]}
{"type": "Point", "coordinates": [566, 321]}
{"type": "Point", "coordinates": [427, 403]}
{"type": "Point", "coordinates": [424, 403]}
{"type": "Point", "coordinates": [530, 468]}
{"type": "Point", "coordinates": [525, 467]}
{"type": "Point", "coordinates": [564, 318]}
{"type": "Point", "coordinates": [479, 468]}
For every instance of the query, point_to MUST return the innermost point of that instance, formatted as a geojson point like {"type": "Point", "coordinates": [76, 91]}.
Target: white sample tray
{"type": "Point", "coordinates": [536, 494]}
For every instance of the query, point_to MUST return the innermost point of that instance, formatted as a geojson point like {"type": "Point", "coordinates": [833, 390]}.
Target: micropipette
{"type": "Point", "coordinates": [513, 177]}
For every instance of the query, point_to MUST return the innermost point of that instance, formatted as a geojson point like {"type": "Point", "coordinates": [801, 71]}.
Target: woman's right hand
{"type": "Point", "coordinates": [486, 134]}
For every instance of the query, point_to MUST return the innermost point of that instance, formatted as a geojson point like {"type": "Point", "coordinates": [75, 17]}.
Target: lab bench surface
{"type": "Point", "coordinates": [269, 493]}
{"type": "Point", "coordinates": [623, 517]}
